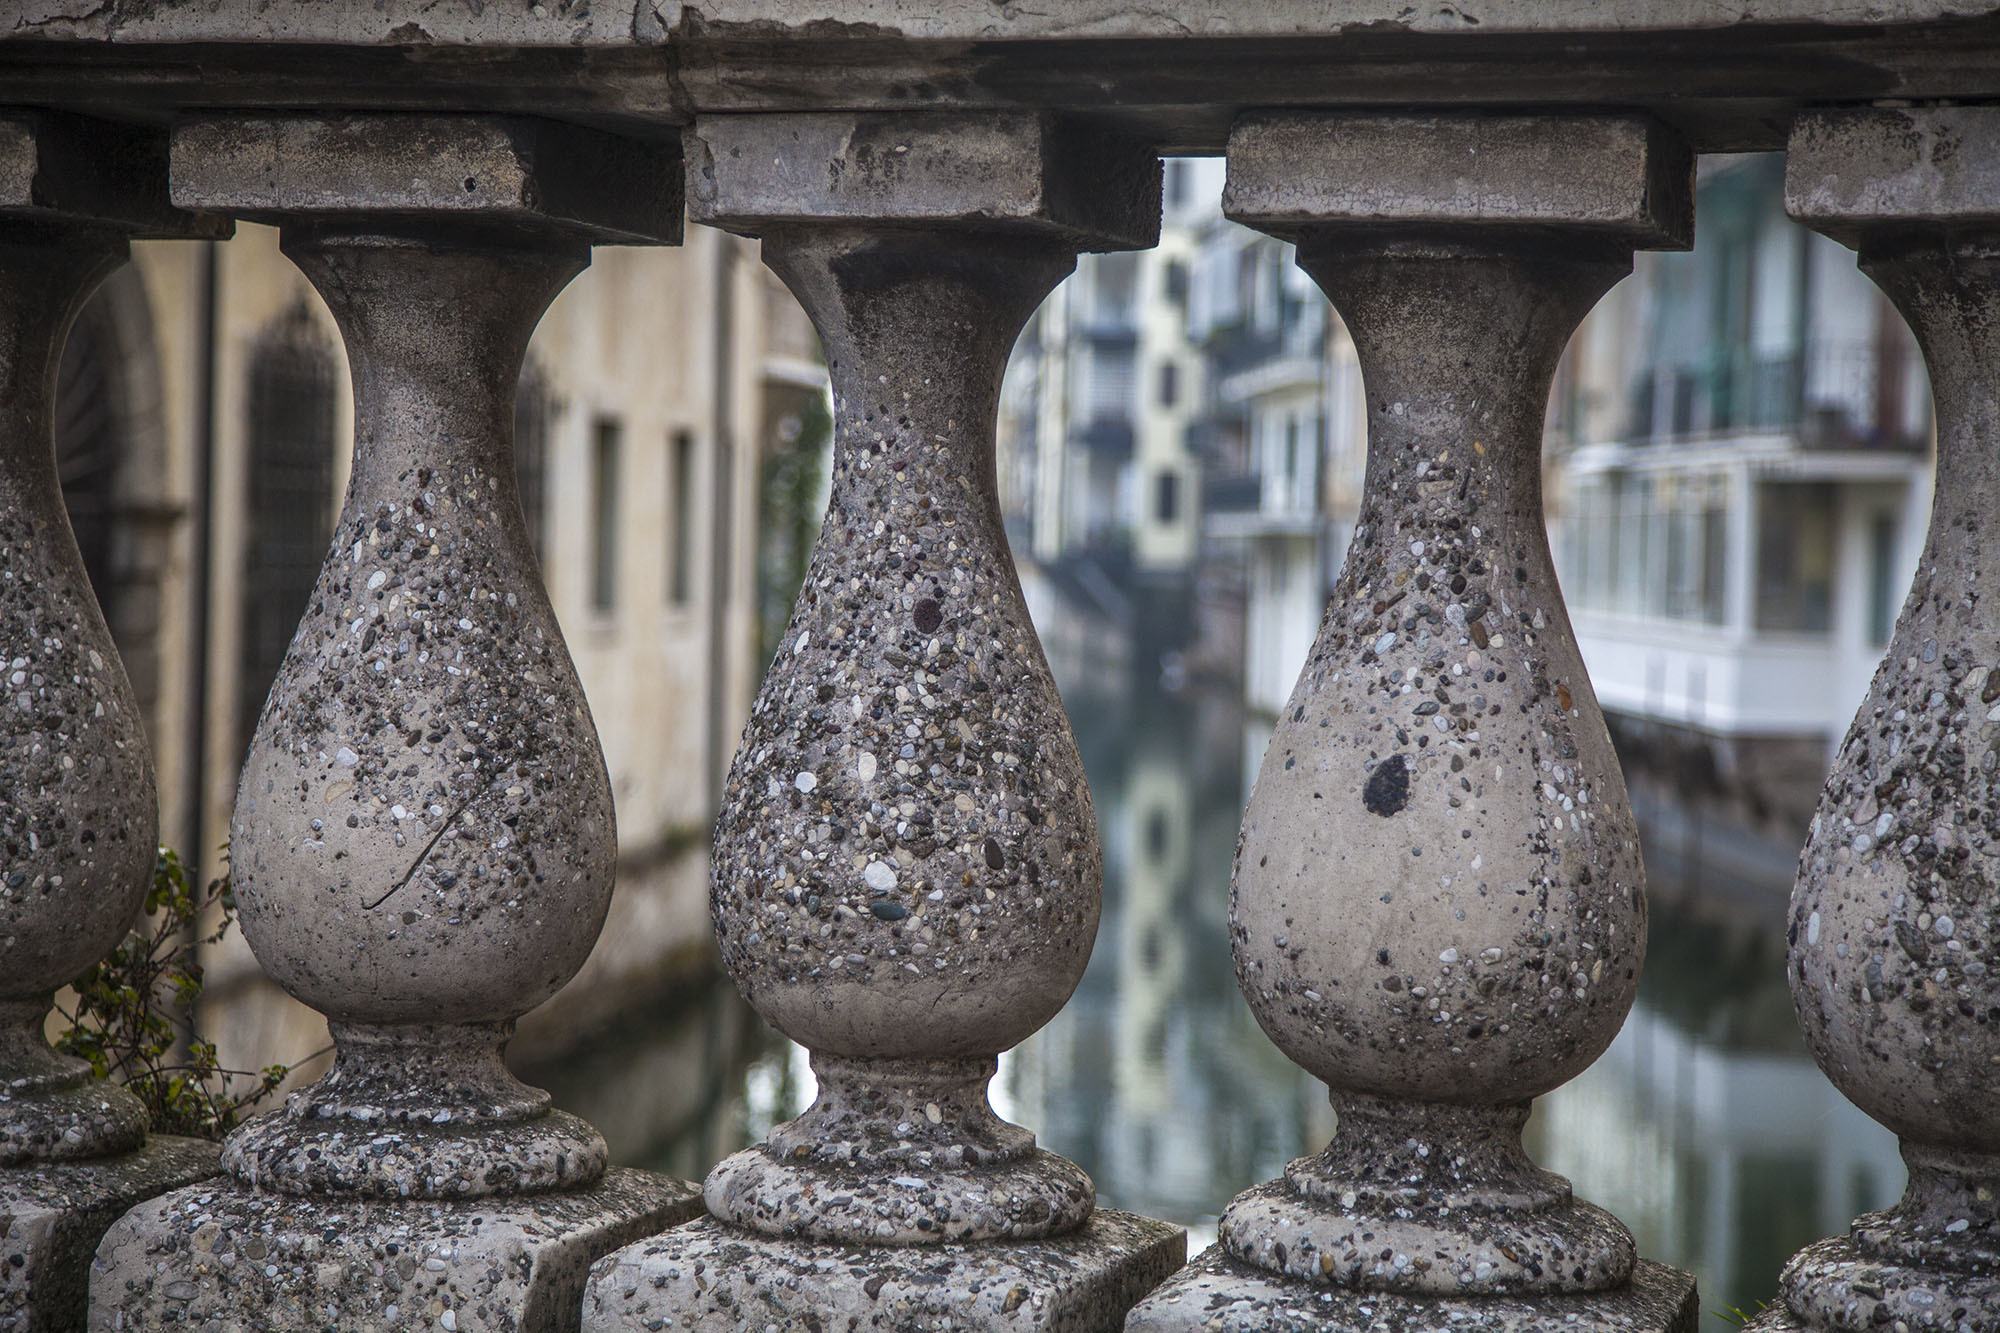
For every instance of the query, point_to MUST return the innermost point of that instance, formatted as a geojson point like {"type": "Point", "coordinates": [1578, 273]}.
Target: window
{"type": "Point", "coordinates": [1109, 383]}
{"type": "Point", "coordinates": [1175, 280]}
{"type": "Point", "coordinates": [534, 411]}
{"type": "Point", "coordinates": [1795, 557]}
{"type": "Point", "coordinates": [1167, 497]}
{"type": "Point", "coordinates": [1881, 578]}
{"type": "Point", "coordinates": [680, 504]}
{"type": "Point", "coordinates": [1177, 184]}
{"type": "Point", "coordinates": [604, 515]}
{"type": "Point", "coordinates": [1170, 383]}
{"type": "Point", "coordinates": [293, 383]}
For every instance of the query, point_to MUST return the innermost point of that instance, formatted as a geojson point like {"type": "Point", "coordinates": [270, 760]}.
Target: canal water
{"type": "Point", "coordinates": [1706, 1127]}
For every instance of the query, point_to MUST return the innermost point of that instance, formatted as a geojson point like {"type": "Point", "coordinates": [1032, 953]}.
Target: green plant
{"type": "Point", "coordinates": [133, 1019]}
{"type": "Point", "coordinates": [1736, 1318]}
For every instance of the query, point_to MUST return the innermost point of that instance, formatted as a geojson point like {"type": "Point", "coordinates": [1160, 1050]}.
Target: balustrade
{"type": "Point", "coordinates": [1438, 906]}
{"type": "Point", "coordinates": [423, 839]}
{"type": "Point", "coordinates": [78, 818]}
{"type": "Point", "coordinates": [906, 869]}
{"type": "Point", "coordinates": [1892, 936]}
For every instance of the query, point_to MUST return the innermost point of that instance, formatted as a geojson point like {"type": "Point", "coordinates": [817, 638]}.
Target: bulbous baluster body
{"type": "Point", "coordinates": [1893, 932]}
{"type": "Point", "coordinates": [78, 813]}
{"type": "Point", "coordinates": [1438, 902]}
{"type": "Point", "coordinates": [906, 865]}
{"type": "Point", "coordinates": [423, 839]}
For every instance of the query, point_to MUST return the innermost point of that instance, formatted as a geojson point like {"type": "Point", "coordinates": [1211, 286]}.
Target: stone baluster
{"type": "Point", "coordinates": [906, 871]}
{"type": "Point", "coordinates": [78, 820]}
{"type": "Point", "coordinates": [1438, 905]}
{"type": "Point", "coordinates": [423, 839]}
{"type": "Point", "coordinates": [1896, 914]}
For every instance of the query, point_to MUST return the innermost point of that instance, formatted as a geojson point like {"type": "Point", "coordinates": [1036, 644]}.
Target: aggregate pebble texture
{"type": "Point", "coordinates": [715, 1278]}
{"type": "Point", "coordinates": [53, 1215]}
{"type": "Point", "coordinates": [1896, 914]}
{"type": "Point", "coordinates": [1438, 904]}
{"type": "Point", "coordinates": [227, 1258]}
{"type": "Point", "coordinates": [77, 819]}
{"type": "Point", "coordinates": [423, 838]}
{"type": "Point", "coordinates": [907, 872]}
{"type": "Point", "coordinates": [77, 825]}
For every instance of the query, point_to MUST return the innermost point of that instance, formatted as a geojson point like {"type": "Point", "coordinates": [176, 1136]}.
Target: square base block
{"type": "Point", "coordinates": [1776, 1319]}
{"type": "Point", "coordinates": [52, 1216]}
{"type": "Point", "coordinates": [223, 1257]}
{"type": "Point", "coordinates": [1215, 1294]}
{"type": "Point", "coordinates": [717, 1279]}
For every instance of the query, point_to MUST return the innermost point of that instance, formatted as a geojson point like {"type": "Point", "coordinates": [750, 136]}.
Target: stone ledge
{"type": "Point", "coordinates": [51, 1218]}
{"type": "Point", "coordinates": [1217, 1295]}
{"type": "Point", "coordinates": [716, 1279]}
{"type": "Point", "coordinates": [221, 1255]}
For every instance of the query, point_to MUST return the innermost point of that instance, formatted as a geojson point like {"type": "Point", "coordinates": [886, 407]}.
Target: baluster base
{"type": "Point", "coordinates": [709, 1277]}
{"type": "Point", "coordinates": [1216, 1294]}
{"type": "Point", "coordinates": [1428, 1199]}
{"type": "Point", "coordinates": [900, 1152]}
{"type": "Point", "coordinates": [1931, 1263]}
{"type": "Point", "coordinates": [52, 1215]}
{"type": "Point", "coordinates": [423, 1111]}
{"type": "Point", "coordinates": [225, 1256]}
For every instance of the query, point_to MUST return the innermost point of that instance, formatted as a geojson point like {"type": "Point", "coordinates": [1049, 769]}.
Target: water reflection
{"type": "Point", "coordinates": [1706, 1127]}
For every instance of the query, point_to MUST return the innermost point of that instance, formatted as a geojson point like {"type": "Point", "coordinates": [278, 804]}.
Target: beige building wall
{"type": "Point", "coordinates": [640, 344]}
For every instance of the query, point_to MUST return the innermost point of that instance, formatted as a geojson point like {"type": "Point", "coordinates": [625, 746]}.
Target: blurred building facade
{"type": "Point", "coordinates": [1740, 452]}
{"type": "Point", "coordinates": [203, 442]}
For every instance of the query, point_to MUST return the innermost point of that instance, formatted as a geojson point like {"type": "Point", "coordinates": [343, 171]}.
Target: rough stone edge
{"type": "Point", "coordinates": [555, 1306]}
{"type": "Point", "coordinates": [1621, 176]}
{"type": "Point", "coordinates": [1134, 1257]}
{"type": "Point", "coordinates": [1025, 170]}
{"type": "Point", "coordinates": [1187, 1303]}
{"type": "Point", "coordinates": [1851, 169]}
{"type": "Point", "coordinates": [52, 1217]}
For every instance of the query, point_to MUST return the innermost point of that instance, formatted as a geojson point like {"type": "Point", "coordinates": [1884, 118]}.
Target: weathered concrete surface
{"type": "Point", "coordinates": [1892, 938]}
{"type": "Point", "coordinates": [495, 169]}
{"type": "Point", "coordinates": [423, 831]}
{"type": "Point", "coordinates": [1622, 178]}
{"type": "Point", "coordinates": [77, 825]}
{"type": "Point", "coordinates": [219, 1255]}
{"type": "Point", "coordinates": [710, 1278]}
{"type": "Point", "coordinates": [1216, 1294]}
{"type": "Point", "coordinates": [1862, 174]}
{"type": "Point", "coordinates": [1438, 904]}
{"type": "Point", "coordinates": [52, 1216]}
{"type": "Point", "coordinates": [1010, 172]}
{"type": "Point", "coordinates": [62, 169]}
{"type": "Point", "coordinates": [647, 22]}
{"type": "Point", "coordinates": [907, 871]}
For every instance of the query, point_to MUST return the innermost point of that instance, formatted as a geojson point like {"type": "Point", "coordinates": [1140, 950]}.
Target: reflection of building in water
{"type": "Point", "coordinates": [1706, 1127]}
{"type": "Point", "coordinates": [1741, 438]}
{"type": "Point", "coordinates": [1097, 480]}
{"type": "Point", "coordinates": [1142, 1078]}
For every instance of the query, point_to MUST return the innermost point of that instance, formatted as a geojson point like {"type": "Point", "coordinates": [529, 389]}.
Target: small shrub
{"type": "Point", "coordinates": [133, 1020]}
